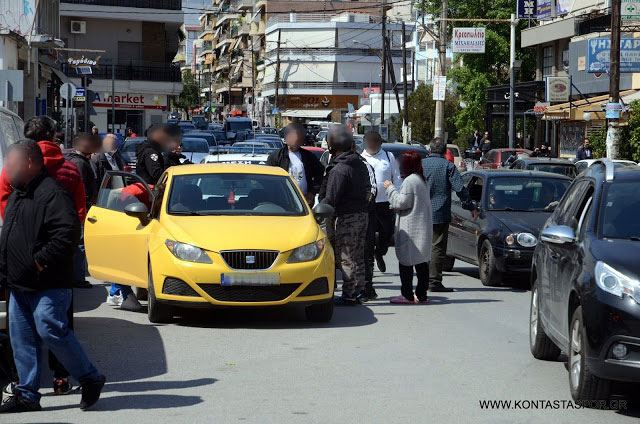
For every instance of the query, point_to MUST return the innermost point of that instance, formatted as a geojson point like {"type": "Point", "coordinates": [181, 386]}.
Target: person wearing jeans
{"type": "Point", "coordinates": [412, 203]}
{"type": "Point", "coordinates": [40, 232]}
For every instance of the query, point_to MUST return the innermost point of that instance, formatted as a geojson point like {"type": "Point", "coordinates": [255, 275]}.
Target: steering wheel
{"type": "Point", "coordinates": [268, 207]}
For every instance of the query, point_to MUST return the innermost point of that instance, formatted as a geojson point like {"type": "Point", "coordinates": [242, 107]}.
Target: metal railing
{"type": "Point", "coordinates": [133, 72]}
{"type": "Point", "coordinates": [329, 51]}
{"type": "Point", "coordinates": [144, 4]}
{"type": "Point", "coordinates": [326, 85]}
{"type": "Point", "coordinates": [336, 16]}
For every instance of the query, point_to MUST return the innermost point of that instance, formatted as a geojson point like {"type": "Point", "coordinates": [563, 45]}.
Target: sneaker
{"type": "Point", "coordinates": [7, 393]}
{"type": "Point", "coordinates": [17, 403]}
{"type": "Point", "coordinates": [421, 301]}
{"type": "Point", "coordinates": [345, 301]}
{"type": "Point", "coordinates": [370, 293]}
{"type": "Point", "coordinates": [438, 287]}
{"type": "Point", "coordinates": [382, 267]}
{"type": "Point", "coordinates": [401, 300]}
{"type": "Point", "coordinates": [115, 300]}
{"type": "Point", "coordinates": [82, 284]}
{"type": "Point", "coordinates": [91, 392]}
{"type": "Point", "coordinates": [61, 386]}
{"type": "Point", "coordinates": [132, 304]}
{"type": "Point", "coordinates": [362, 297]}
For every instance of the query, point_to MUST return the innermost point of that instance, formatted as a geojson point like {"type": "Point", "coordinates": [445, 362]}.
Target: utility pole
{"type": "Point", "coordinates": [229, 60]}
{"type": "Point", "coordinates": [404, 79]}
{"type": "Point", "coordinates": [383, 67]}
{"type": "Point", "coordinates": [275, 100]}
{"type": "Point", "coordinates": [512, 79]}
{"type": "Point", "coordinates": [613, 130]}
{"type": "Point", "coordinates": [113, 97]}
{"type": "Point", "coordinates": [253, 82]}
{"type": "Point", "coordinates": [87, 99]}
{"type": "Point", "coordinates": [441, 70]}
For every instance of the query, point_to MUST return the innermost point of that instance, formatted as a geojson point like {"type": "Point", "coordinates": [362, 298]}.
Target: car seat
{"type": "Point", "coordinates": [190, 196]}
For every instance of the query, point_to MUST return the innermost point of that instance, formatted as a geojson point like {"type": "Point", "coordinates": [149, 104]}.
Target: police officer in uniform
{"type": "Point", "coordinates": [150, 159]}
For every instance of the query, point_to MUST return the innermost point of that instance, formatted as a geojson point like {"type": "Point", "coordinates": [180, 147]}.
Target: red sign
{"type": "Point", "coordinates": [131, 101]}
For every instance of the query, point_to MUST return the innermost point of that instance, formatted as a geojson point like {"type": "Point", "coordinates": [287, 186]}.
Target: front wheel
{"type": "Point", "coordinates": [540, 344]}
{"type": "Point", "coordinates": [489, 275]}
{"type": "Point", "coordinates": [158, 313]}
{"type": "Point", "coordinates": [585, 386]}
{"type": "Point", "coordinates": [320, 312]}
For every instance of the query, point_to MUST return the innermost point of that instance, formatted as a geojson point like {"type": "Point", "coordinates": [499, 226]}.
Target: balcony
{"type": "Point", "coordinates": [242, 4]}
{"type": "Point", "coordinates": [143, 4]}
{"type": "Point", "coordinates": [149, 71]}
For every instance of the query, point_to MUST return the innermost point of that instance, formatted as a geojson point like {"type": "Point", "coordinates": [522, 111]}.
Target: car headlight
{"type": "Point", "coordinates": [615, 282]}
{"type": "Point", "coordinates": [308, 252]}
{"type": "Point", "coordinates": [523, 239]}
{"type": "Point", "coordinates": [187, 252]}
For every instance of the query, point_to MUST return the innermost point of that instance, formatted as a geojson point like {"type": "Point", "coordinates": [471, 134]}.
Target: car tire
{"type": "Point", "coordinates": [158, 313]}
{"type": "Point", "coordinates": [447, 265]}
{"type": "Point", "coordinates": [319, 312]}
{"type": "Point", "coordinates": [540, 344]}
{"type": "Point", "coordinates": [584, 385]}
{"type": "Point", "coordinates": [141, 294]}
{"type": "Point", "coordinates": [489, 275]}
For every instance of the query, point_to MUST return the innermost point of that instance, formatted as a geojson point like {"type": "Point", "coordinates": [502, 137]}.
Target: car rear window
{"type": "Point", "coordinates": [524, 193]}
{"type": "Point", "coordinates": [569, 169]}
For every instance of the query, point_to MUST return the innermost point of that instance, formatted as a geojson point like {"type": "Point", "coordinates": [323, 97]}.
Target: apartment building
{"type": "Point", "coordinates": [133, 48]}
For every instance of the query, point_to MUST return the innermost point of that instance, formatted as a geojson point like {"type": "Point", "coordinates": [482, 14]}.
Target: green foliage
{"type": "Point", "coordinates": [631, 141]}
{"type": "Point", "coordinates": [598, 141]}
{"type": "Point", "coordinates": [422, 109]}
{"type": "Point", "coordinates": [190, 96]}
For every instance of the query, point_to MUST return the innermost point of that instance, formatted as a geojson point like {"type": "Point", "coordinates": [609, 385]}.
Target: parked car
{"type": "Point", "coordinates": [321, 139]}
{"type": "Point", "coordinates": [238, 128]}
{"type": "Point", "coordinates": [240, 155]}
{"type": "Point", "coordinates": [271, 138]}
{"type": "Point", "coordinates": [496, 158]}
{"type": "Point", "coordinates": [200, 122]}
{"type": "Point", "coordinates": [585, 297]}
{"type": "Point", "coordinates": [11, 127]}
{"type": "Point", "coordinates": [236, 263]}
{"type": "Point", "coordinates": [186, 126]}
{"type": "Point", "coordinates": [128, 152]}
{"type": "Point", "coordinates": [317, 151]}
{"type": "Point", "coordinates": [512, 206]}
{"type": "Point", "coordinates": [206, 134]}
{"type": "Point", "coordinates": [255, 144]}
{"type": "Point", "coordinates": [195, 149]}
{"type": "Point", "coordinates": [267, 130]}
{"type": "Point", "coordinates": [215, 126]}
{"type": "Point", "coordinates": [458, 160]}
{"type": "Point", "coordinates": [581, 165]}
{"type": "Point", "coordinates": [553, 165]}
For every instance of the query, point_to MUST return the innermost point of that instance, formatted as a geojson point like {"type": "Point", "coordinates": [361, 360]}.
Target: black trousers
{"type": "Point", "coordinates": [379, 235]}
{"type": "Point", "coordinates": [406, 279]}
{"type": "Point", "coordinates": [59, 371]}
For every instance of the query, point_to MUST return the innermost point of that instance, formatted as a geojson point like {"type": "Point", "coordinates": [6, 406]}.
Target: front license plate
{"type": "Point", "coordinates": [250, 279]}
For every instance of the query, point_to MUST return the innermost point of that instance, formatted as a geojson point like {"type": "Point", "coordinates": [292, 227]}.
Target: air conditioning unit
{"type": "Point", "coordinates": [78, 27]}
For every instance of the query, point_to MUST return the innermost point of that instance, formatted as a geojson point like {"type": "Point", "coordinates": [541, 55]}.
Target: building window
{"type": "Point", "coordinates": [547, 61]}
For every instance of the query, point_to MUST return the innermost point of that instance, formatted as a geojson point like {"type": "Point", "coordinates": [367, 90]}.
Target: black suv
{"type": "Point", "coordinates": [585, 296]}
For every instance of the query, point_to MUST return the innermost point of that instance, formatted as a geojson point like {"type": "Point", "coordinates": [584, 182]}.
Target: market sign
{"type": "Point", "coordinates": [469, 40]}
{"type": "Point", "coordinates": [599, 54]}
{"type": "Point", "coordinates": [558, 89]}
{"type": "Point", "coordinates": [130, 101]}
{"type": "Point", "coordinates": [527, 9]}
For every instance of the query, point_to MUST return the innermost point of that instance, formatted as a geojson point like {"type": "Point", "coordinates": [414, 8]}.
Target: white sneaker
{"type": "Point", "coordinates": [115, 300]}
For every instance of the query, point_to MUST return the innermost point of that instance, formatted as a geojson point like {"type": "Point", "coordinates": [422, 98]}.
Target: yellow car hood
{"type": "Point", "coordinates": [217, 233]}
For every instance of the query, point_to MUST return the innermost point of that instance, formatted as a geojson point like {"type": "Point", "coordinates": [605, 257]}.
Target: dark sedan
{"type": "Point", "coordinates": [553, 165]}
{"type": "Point", "coordinates": [396, 149]}
{"type": "Point", "coordinates": [500, 236]}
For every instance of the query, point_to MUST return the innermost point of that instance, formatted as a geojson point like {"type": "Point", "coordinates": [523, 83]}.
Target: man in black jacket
{"type": "Point", "coordinates": [108, 159]}
{"type": "Point", "coordinates": [40, 232]}
{"type": "Point", "coordinates": [348, 190]}
{"type": "Point", "coordinates": [302, 165]}
{"type": "Point", "coordinates": [150, 155]}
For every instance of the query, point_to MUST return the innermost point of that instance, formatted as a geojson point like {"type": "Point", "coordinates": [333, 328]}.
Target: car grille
{"type": "Point", "coordinates": [249, 293]}
{"type": "Point", "coordinates": [249, 259]}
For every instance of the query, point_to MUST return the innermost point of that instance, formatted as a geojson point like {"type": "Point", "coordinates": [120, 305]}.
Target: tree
{"type": "Point", "coordinates": [421, 110]}
{"type": "Point", "coordinates": [190, 96]}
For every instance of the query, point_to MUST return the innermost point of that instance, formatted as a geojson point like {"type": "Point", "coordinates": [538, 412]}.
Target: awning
{"type": "Point", "coordinates": [574, 111]}
{"type": "Point", "coordinates": [306, 113]}
{"type": "Point", "coordinates": [61, 76]}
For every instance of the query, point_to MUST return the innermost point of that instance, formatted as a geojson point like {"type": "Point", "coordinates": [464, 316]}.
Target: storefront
{"type": "Point", "coordinates": [302, 108]}
{"type": "Point", "coordinates": [132, 110]}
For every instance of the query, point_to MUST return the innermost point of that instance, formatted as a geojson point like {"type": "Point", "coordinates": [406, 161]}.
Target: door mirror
{"type": "Point", "coordinates": [138, 210]}
{"type": "Point", "coordinates": [323, 211]}
{"type": "Point", "coordinates": [558, 234]}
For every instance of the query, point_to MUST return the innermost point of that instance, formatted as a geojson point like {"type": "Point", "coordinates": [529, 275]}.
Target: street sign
{"type": "Point", "coordinates": [84, 70]}
{"type": "Point", "coordinates": [599, 54]}
{"type": "Point", "coordinates": [613, 110]}
{"type": "Point", "coordinates": [630, 10]}
{"type": "Point", "coordinates": [468, 40]}
{"type": "Point", "coordinates": [67, 90]}
{"type": "Point", "coordinates": [80, 94]}
{"type": "Point", "coordinates": [527, 9]}
{"type": "Point", "coordinates": [439, 88]}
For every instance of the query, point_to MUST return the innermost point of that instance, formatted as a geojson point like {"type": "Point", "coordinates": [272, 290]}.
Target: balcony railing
{"type": "Point", "coordinates": [329, 51]}
{"type": "Point", "coordinates": [143, 4]}
{"type": "Point", "coordinates": [322, 85]}
{"type": "Point", "coordinates": [149, 71]}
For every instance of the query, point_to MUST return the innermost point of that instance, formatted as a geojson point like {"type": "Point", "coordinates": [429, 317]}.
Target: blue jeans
{"type": "Point", "coordinates": [119, 288]}
{"type": "Point", "coordinates": [79, 264]}
{"type": "Point", "coordinates": [41, 317]}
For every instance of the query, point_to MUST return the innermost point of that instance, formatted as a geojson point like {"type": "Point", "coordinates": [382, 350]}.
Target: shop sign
{"type": "Point", "coordinates": [131, 101]}
{"type": "Point", "coordinates": [599, 54]}
{"type": "Point", "coordinates": [318, 102]}
{"type": "Point", "coordinates": [468, 40]}
{"type": "Point", "coordinates": [541, 107]}
{"type": "Point", "coordinates": [558, 89]}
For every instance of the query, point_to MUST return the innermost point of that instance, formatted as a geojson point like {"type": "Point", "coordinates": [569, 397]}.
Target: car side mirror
{"type": "Point", "coordinates": [138, 210]}
{"type": "Point", "coordinates": [323, 211]}
{"type": "Point", "coordinates": [558, 234]}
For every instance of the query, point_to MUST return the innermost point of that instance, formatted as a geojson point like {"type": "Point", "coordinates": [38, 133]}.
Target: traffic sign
{"type": "Point", "coordinates": [84, 70]}
{"type": "Point", "coordinates": [67, 90]}
{"type": "Point", "coordinates": [80, 94]}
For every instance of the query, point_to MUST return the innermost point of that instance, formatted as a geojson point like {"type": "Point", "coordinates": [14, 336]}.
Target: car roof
{"type": "Point", "coordinates": [624, 173]}
{"type": "Point", "coordinates": [506, 172]}
{"type": "Point", "coordinates": [558, 161]}
{"type": "Point", "coordinates": [225, 168]}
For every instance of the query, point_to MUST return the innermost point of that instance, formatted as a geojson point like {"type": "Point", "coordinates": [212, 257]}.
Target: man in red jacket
{"type": "Point", "coordinates": [43, 128]}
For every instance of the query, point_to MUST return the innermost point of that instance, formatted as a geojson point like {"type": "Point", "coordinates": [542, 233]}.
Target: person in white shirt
{"type": "Point", "coordinates": [381, 217]}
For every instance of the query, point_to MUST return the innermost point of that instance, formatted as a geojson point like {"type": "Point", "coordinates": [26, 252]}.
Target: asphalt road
{"type": "Point", "coordinates": [378, 363]}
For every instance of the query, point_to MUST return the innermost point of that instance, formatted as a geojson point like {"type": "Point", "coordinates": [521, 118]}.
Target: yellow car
{"type": "Point", "coordinates": [224, 235]}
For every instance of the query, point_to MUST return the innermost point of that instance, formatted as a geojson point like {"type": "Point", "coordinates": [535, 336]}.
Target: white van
{"type": "Point", "coordinates": [11, 130]}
